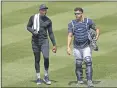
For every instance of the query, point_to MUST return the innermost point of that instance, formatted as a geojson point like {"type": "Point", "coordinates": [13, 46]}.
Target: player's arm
{"type": "Point", "coordinates": [97, 33]}
{"type": "Point", "coordinates": [69, 39]}
{"type": "Point", "coordinates": [52, 38]}
{"type": "Point", "coordinates": [29, 26]}
{"type": "Point", "coordinates": [93, 26]}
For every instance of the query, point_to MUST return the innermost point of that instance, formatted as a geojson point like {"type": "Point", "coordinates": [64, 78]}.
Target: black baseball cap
{"type": "Point", "coordinates": [43, 6]}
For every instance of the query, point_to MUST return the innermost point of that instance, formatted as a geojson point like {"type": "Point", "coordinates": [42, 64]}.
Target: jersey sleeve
{"type": "Point", "coordinates": [92, 25]}
{"type": "Point", "coordinates": [30, 24]}
{"type": "Point", "coordinates": [70, 28]}
{"type": "Point", "coordinates": [51, 34]}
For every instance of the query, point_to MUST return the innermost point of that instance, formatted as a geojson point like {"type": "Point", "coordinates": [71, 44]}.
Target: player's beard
{"type": "Point", "coordinates": [43, 14]}
{"type": "Point", "coordinates": [79, 18]}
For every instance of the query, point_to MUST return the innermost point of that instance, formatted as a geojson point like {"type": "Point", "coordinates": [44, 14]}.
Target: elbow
{"type": "Point", "coordinates": [70, 35]}
{"type": "Point", "coordinates": [50, 33]}
{"type": "Point", "coordinates": [28, 28]}
{"type": "Point", "coordinates": [98, 31]}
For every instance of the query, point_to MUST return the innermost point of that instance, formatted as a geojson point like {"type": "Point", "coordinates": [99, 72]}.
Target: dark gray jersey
{"type": "Point", "coordinates": [45, 26]}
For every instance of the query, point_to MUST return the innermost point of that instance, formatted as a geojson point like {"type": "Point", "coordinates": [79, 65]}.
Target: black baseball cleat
{"type": "Point", "coordinates": [46, 80]}
{"type": "Point", "coordinates": [39, 81]}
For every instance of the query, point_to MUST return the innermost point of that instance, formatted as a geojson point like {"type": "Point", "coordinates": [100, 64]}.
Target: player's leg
{"type": "Point", "coordinates": [78, 64]}
{"type": "Point", "coordinates": [45, 52]}
{"type": "Point", "coordinates": [87, 55]}
{"type": "Point", "coordinates": [36, 51]}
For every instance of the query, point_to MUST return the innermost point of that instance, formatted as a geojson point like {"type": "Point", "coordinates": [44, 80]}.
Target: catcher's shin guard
{"type": "Point", "coordinates": [79, 70]}
{"type": "Point", "coordinates": [89, 70]}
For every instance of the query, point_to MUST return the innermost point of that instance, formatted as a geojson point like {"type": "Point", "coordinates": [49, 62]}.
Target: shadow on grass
{"type": "Point", "coordinates": [34, 81]}
{"type": "Point", "coordinates": [85, 82]}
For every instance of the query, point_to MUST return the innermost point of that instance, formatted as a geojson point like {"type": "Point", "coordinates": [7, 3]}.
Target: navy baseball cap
{"type": "Point", "coordinates": [43, 6]}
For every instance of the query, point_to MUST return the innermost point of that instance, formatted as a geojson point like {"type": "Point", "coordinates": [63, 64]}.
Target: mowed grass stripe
{"type": "Point", "coordinates": [27, 81]}
{"type": "Point", "coordinates": [106, 66]}
{"type": "Point", "coordinates": [107, 83]}
{"type": "Point", "coordinates": [107, 23]}
{"type": "Point", "coordinates": [12, 33]}
{"type": "Point", "coordinates": [57, 25]}
{"type": "Point", "coordinates": [26, 68]}
{"type": "Point", "coordinates": [26, 62]}
{"type": "Point", "coordinates": [9, 7]}
{"type": "Point", "coordinates": [105, 46]}
{"type": "Point", "coordinates": [27, 12]}
{"type": "Point", "coordinates": [22, 5]}
{"type": "Point", "coordinates": [69, 75]}
{"type": "Point", "coordinates": [99, 74]}
{"type": "Point", "coordinates": [21, 48]}
{"type": "Point", "coordinates": [112, 76]}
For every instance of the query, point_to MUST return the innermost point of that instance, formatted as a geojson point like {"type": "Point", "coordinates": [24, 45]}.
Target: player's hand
{"type": "Point", "coordinates": [54, 49]}
{"type": "Point", "coordinates": [69, 51]}
{"type": "Point", "coordinates": [96, 39]}
{"type": "Point", "coordinates": [35, 33]}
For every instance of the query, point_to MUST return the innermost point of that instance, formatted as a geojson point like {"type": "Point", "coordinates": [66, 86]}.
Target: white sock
{"type": "Point", "coordinates": [46, 72]}
{"type": "Point", "coordinates": [38, 75]}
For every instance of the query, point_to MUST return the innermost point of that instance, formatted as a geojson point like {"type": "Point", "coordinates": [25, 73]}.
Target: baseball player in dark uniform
{"type": "Point", "coordinates": [39, 24]}
{"type": "Point", "coordinates": [80, 28]}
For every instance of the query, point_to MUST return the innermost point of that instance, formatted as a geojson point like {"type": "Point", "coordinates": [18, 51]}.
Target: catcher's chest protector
{"type": "Point", "coordinates": [80, 30]}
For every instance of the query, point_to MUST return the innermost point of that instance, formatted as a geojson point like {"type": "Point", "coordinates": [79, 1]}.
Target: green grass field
{"type": "Point", "coordinates": [17, 56]}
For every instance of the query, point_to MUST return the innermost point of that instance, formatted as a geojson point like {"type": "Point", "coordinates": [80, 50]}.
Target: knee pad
{"type": "Point", "coordinates": [88, 61]}
{"type": "Point", "coordinates": [79, 62]}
